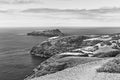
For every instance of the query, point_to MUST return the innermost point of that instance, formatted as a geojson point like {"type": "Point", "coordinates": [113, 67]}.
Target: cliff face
{"type": "Point", "coordinates": [49, 33]}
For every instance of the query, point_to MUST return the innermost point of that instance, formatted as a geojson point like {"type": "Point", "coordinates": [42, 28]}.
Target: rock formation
{"type": "Point", "coordinates": [61, 48]}
{"type": "Point", "coordinates": [49, 33]}
{"type": "Point", "coordinates": [93, 46]}
{"type": "Point", "coordinates": [49, 48]}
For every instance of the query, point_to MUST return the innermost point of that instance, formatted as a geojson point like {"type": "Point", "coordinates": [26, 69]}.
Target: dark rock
{"type": "Point", "coordinates": [49, 33]}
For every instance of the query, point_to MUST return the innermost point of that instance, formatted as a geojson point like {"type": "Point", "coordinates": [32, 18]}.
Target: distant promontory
{"type": "Point", "coordinates": [49, 33]}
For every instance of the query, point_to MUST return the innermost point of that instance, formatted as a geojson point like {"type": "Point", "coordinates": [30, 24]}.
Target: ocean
{"type": "Point", "coordinates": [15, 61]}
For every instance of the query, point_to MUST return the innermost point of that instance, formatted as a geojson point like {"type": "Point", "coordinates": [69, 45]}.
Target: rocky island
{"type": "Point", "coordinates": [70, 51]}
{"type": "Point", "coordinates": [49, 33]}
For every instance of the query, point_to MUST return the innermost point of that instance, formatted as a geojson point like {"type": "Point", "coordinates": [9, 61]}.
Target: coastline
{"type": "Point", "coordinates": [88, 47]}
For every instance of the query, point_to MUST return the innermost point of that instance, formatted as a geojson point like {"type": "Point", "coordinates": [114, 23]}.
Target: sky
{"type": "Point", "coordinates": [35, 13]}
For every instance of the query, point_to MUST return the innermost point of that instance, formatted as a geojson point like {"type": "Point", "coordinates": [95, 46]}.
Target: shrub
{"type": "Point", "coordinates": [113, 66]}
{"type": "Point", "coordinates": [107, 54]}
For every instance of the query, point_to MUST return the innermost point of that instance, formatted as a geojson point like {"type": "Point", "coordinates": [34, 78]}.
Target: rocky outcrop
{"type": "Point", "coordinates": [92, 46]}
{"type": "Point", "coordinates": [59, 45]}
{"type": "Point", "coordinates": [49, 33]}
{"type": "Point", "coordinates": [101, 49]}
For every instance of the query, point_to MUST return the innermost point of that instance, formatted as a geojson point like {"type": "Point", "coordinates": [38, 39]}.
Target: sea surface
{"type": "Point", "coordinates": [15, 61]}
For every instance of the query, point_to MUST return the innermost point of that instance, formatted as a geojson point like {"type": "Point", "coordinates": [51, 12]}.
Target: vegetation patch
{"type": "Point", "coordinates": [113, 53]}
{"type": "Point", "coordinates": [58, 63]}
{"type": "Point", "coordinates": [113, 66]}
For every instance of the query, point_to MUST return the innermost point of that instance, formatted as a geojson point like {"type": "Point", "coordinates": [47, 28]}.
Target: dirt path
{"type": "Point", "coordinates": [82, 72]}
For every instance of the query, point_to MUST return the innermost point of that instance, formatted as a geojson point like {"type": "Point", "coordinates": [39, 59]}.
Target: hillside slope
{"type": "Point", "coordinates": [58, 50]}
{"type": "Point", "coordinates": [82, 72]}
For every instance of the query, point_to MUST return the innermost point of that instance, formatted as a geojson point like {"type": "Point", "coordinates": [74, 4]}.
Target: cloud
{"type": "Point", "coordinates": [51, 10]}
{"type": "Point", "coordinates": [105, 10]}
{"type": "Point", "coordinates": [91, 14]}
{"type": "Point", "coordinates": [101, 14]}
{"type": "Point", "coordinates": [2, 11]}
{"type": "Point", "coordinates": [84, 11]}
{"type": "Point", "coordinates": [52, 16]}
{"type": "Point", "coordinates": [18, 1]}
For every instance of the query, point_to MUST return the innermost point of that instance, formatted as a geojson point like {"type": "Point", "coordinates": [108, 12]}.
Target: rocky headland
{"type": "Point", "coordinates": [58, 45]}
{"type": "Point", "coordinates": [69, 51]}
{"type": "Point", "coordinates": [49, 33]}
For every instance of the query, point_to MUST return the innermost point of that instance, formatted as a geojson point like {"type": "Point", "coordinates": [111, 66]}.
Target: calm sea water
{"type": "Point", "coordinates": [15, 61]}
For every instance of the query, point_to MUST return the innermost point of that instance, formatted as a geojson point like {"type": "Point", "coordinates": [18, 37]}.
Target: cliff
{"type": "Point", "coordinates": [49, 33]}
{"type": "Point", "coordinates": [69, 51]}
{"type": "Point", "coordinates": [51, 47]}
{"type": "Point", "coordinates": [87, 44]}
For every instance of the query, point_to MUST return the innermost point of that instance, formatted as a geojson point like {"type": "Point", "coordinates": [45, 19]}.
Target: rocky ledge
{"type": "Point", "coordinates": [49, 33]}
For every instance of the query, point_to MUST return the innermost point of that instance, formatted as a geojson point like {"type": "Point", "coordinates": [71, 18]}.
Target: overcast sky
{"type": "Point", "coordinates": [20, 13]}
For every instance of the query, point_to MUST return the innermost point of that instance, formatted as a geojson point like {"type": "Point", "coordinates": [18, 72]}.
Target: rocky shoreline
{"type": "Point", "coordinates": [66, 51]}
